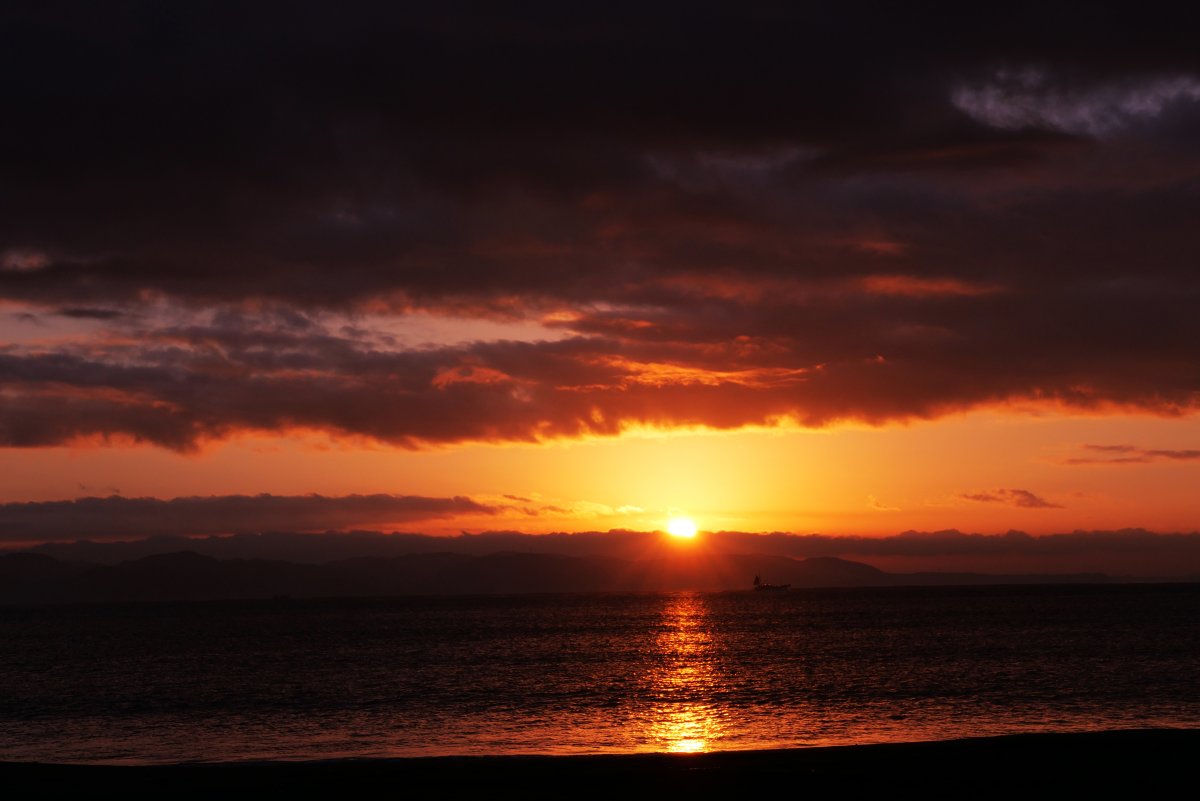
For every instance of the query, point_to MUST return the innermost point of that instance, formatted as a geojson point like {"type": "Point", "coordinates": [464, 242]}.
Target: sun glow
{"type": "Point", "coordinates": [682, 527]}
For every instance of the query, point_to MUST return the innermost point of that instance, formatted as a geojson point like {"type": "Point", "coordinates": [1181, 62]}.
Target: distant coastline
{"type": "Point", "coordinates": [29, 578]}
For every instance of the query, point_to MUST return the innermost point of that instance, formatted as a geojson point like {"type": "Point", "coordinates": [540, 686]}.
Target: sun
{"type": "Point", "coordinates": [682, 527]}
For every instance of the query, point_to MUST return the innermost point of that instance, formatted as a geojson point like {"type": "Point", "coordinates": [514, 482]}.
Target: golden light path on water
{"type": "Point", "coordinates": [682, 719]}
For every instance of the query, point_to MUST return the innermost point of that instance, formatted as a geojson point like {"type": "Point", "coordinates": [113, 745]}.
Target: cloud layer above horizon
{"type": "Point", "coordinates": [436, 224]}
{"type": "Point", "coordinates": [119, 518]}
{"type": "Point", "coordinates": [86, 530]}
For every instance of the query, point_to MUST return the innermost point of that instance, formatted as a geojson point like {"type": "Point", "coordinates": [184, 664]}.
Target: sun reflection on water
{"type": "Point", "coordinates": [683, 718]}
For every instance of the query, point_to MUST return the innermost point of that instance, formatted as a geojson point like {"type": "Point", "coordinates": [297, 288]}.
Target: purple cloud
{"type": "Point", "coordinates": [1023, 499]}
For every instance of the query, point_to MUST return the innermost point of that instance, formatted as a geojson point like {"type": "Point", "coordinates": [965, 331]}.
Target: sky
{"type": "Point", "coordinates": [565, 267]}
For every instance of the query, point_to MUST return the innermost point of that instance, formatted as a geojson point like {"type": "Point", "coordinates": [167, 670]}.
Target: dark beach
{"type": "Point", "coordinates": [1145, 761]}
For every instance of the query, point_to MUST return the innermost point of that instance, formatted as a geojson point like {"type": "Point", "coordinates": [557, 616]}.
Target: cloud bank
{"type": "Point", "coordinates": [751, 217]}
{"type": "Point", "coordinates": [121, 518]}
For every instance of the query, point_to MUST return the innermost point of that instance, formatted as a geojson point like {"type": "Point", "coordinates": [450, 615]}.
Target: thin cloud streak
{"type": "Point", "coordinates": [116, 517]}
{"type": "Point", "coordinates": [1030, 98]}
{"type": "Point", "coordinates": [1131, 454]}
{"type": "Point", "coordinates": [1023, 499]}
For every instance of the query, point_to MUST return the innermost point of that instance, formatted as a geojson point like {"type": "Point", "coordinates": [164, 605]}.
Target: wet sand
{"type": "Point", "coordinates": [1143, 761]}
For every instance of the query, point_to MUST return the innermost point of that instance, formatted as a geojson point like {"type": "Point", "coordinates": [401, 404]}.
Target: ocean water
{"type": "Point", "coordinates": [572, 674]}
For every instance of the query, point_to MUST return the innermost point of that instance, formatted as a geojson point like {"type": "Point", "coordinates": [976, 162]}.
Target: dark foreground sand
{"type": "Point", "coordinates": [1145, 762]}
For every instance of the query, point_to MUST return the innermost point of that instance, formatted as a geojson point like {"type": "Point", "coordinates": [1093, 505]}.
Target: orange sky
{"type": "Point", "coordinates": [573, 272]}
{"type": "Point", "coordinates": [847, 479]}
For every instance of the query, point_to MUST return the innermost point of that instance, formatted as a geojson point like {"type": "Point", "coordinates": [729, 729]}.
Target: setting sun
{"type": "Point", "coordinates": [682, 527]}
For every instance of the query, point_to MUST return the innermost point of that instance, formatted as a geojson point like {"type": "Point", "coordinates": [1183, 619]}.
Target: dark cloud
{"type": "Point", "coordinates": [1012, 497]}
{"type": "Point", "coordinates": [115, 517]}
{"type": "Point", "coordinates": [84, 313]}
{"type": "Point", "coordinates": [736, 216]}
{"type": "Point", "coordinates": [179, 386]}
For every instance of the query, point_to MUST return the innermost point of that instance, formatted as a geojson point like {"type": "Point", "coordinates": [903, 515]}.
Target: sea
{"type": "Point", "coordinates": [292, 679]}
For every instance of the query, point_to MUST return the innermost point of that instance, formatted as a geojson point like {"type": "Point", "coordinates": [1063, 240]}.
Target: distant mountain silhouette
{"type": "Point", "coordinates": [829, 571]}
{"type": "Point", "coordinates": [1125, 552]}
{"type": "Point", "coordinates": [190, 576]}
{"type": "Point", "coordinates": [35, 578]}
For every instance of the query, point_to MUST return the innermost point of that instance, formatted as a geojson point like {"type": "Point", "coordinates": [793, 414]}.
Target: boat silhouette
{"type": "Point", "coordinates": [761, 586]}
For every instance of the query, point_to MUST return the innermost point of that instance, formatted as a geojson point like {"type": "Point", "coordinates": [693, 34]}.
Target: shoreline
{"type": "Point", "coordinates": [1138, 760]}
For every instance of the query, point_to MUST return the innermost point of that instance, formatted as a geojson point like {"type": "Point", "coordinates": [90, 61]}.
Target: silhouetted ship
{"type": "Point", "coordinates": [761, 586]}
